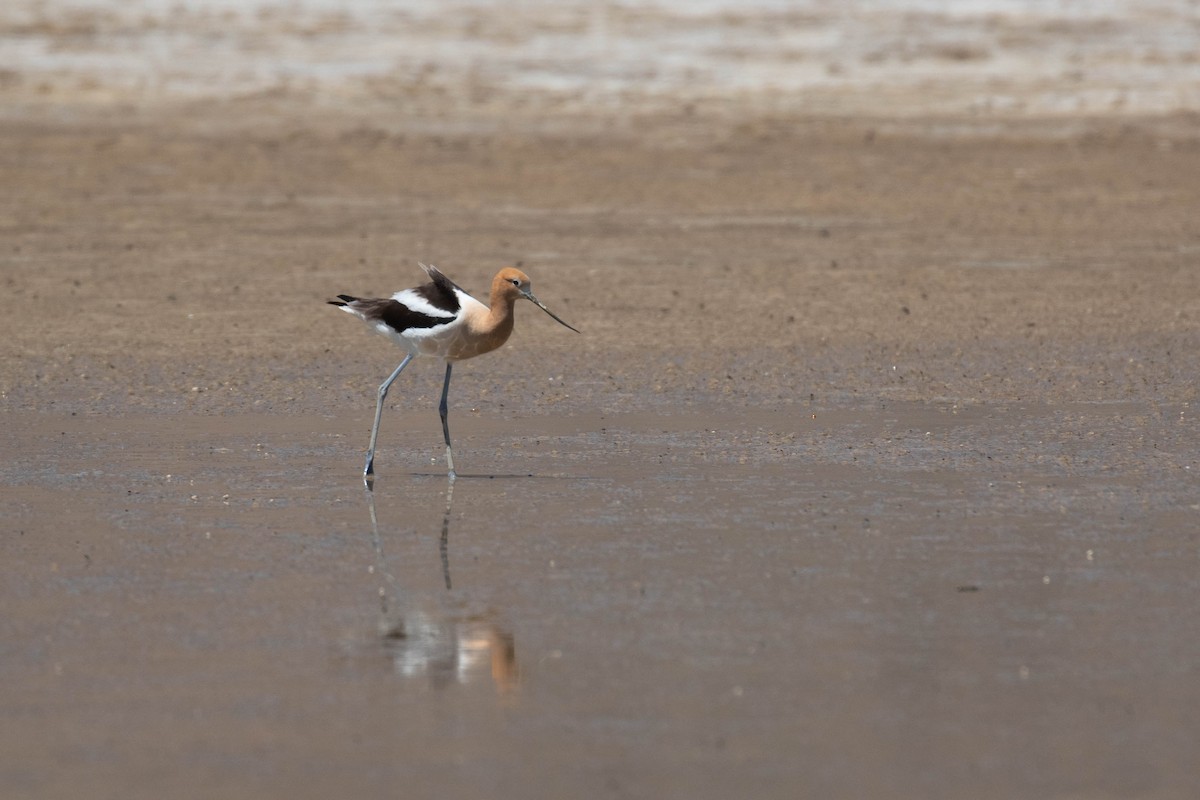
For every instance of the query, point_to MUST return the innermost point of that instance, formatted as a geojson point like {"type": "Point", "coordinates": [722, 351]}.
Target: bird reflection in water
{"type": "Point", "coordinates": [447, 648]}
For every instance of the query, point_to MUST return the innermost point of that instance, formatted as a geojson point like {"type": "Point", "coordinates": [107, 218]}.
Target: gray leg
{"type": "Point", "coordinates": [369, 470]}
{"type": "Point", "coordinates": [446, 428]}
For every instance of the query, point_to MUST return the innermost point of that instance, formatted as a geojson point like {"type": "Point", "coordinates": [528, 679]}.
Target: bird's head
{"type": "Point", "coordinates": [514, 284]}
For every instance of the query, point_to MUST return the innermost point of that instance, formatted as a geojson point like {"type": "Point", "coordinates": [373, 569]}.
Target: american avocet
{"type": "Point", "coordinates": [439, 319]}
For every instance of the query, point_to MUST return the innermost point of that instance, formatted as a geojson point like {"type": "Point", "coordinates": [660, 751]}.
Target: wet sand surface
{"type": "Point", "coordinates": [908, 601]}
{"type": "Point", "coordinates": [873, 473]}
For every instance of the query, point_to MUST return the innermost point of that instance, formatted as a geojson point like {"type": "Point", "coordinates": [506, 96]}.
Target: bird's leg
{"type": "Point", "coordinates": [369, 470]}
{"type": "Point", "coordinates": [446, 428]}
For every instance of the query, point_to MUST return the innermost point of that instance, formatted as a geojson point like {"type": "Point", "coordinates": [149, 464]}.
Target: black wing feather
{"type": "Point", "coordinates": [440, 293]}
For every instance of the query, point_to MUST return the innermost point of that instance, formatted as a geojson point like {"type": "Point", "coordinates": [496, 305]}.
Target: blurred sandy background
{"type": "Point", "coordinates": [190, 179]}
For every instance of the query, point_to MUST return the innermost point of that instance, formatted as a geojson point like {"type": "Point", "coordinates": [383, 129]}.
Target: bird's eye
{"type": "Point", "coordinates": [515, 281]}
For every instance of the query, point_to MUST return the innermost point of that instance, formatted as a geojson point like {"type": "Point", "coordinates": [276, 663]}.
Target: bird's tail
{"type": "Point", "coordinates": [343, 301]}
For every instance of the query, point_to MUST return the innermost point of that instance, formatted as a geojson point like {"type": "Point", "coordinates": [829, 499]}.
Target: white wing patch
{"type": "Point", "coordinates": [419, 304]}
{"type": "Point", "coordinates": [467, 302]}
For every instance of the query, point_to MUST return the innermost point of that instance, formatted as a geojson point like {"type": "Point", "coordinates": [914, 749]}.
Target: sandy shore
{"type": "Point", "coordinates": [160, 263]}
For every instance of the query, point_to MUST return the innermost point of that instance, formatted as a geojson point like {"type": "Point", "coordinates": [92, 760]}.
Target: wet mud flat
{"type": "Point", "coordinates": [892, 600]}
{"type": "Point", "coordinates": [872, 474]}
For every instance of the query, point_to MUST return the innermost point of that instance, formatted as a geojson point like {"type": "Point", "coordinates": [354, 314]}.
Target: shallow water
{"type": "Point", "coordinates": [907, 601]}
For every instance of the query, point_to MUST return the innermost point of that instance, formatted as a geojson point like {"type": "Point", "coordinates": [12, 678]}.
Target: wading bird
{"type": "Point", "coordinates": [439, 319]}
